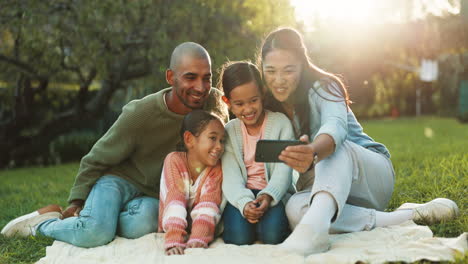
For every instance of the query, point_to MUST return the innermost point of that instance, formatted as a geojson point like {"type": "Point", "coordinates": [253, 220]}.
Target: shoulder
{"type": "Point", "coordinates": [145, 107]}
{"type": "Point", "coordinates": [278, 125]}
{"type": "Point", "coordinates": [216, 171]}
{"type": "Point", "coordinates": [276, 117]}
{"type": "Point", "coordinates": [325, 89]}
{"type": "Point", "coordinates": [232, 125]}
{"type": "Point", "coordinates": [176, 157]}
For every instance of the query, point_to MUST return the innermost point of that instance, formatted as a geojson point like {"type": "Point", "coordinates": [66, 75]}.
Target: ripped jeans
{"type": "Point", "coordinates": [113, 207]}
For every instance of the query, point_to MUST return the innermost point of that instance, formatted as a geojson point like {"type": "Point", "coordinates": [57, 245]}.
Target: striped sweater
{"type": "Point", "coordinates": [136, 145]}
{"type": "Point", "coordinates": [175, 202]}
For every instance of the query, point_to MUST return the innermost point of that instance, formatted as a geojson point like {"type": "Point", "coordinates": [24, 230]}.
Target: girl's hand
{"type": "Point", "coordinates": [251, 212]}
{"type": "Point", "coordinates": [299, 157]}
{"type": "Point", "coordinates": [175, 251]}
{"type": "Point", "coordinates": [264, 201]}
{"type": "Point", "coordinates": [196, 245]}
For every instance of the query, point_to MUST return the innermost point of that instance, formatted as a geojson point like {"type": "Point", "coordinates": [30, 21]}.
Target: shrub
{"type": "Point", "coordinates": [72, 146]}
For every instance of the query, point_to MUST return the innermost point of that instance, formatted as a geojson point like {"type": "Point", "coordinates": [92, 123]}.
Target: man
{"type": "Point", "coordinates": [117, 185]}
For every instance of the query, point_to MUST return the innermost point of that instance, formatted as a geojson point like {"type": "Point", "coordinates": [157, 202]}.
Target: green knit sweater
{"type": "Point", "coordinates": [135, 146]}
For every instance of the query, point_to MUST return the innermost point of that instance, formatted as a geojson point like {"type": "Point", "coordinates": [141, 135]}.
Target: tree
{"type": "Point", "coordinates": [116, 43]}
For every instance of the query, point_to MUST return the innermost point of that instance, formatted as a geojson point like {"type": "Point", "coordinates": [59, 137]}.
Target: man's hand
{"type": "Point", "coordinates": [264, 201]}
{"type": "Point", "coordinates": [175, 251]}
{"type": "Point", "coordinates": [251, 212]}
{"type": "Point", "coordinates": [73, 209]}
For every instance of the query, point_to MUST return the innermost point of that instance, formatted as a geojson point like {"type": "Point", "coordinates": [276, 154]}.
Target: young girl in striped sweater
{"type": "Point", "coordinates": [191, 180]}
{"type": "Point", "coordinates": [255, 191]}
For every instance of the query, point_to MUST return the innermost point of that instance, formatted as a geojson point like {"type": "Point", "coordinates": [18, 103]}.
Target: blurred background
{"type": "Point", "coordinates": [68, 66]}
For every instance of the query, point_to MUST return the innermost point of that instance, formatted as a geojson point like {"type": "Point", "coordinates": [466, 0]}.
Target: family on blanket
{"type": "Point", "coordinates": [143, 176]}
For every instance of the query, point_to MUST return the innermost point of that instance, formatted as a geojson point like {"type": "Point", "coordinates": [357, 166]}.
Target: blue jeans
{"type": "Point", "coordinates": [273, 227]}
{"type": "Point", "coordinates": [114, 206]}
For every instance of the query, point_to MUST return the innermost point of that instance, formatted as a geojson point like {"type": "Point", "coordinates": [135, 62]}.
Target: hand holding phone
{"type": "Point", "coordinates": [269, 150]}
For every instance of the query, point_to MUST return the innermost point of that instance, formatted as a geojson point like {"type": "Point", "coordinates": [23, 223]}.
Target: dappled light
{"type": "Point", "coordinates": [428, 132]}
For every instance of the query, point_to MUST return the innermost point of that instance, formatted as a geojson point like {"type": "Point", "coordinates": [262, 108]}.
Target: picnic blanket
{"type": "Point", "coordinates": [406, 242]}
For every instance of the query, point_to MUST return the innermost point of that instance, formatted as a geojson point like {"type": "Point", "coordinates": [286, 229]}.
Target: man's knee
{"type": "Point", "coordinates": [139, 218]}
{"type": "Point", "coordinates": [93, 233]}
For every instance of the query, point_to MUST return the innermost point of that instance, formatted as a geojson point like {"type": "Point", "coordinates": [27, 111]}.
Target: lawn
{"type": "Point", "coordinates": [429, 154]}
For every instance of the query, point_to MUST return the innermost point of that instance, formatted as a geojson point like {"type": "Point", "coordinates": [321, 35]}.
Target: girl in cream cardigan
{"type": "Point", "coordinates": [254, 191]}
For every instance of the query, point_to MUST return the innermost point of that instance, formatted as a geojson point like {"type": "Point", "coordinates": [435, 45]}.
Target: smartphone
{"type": "Point", "coordinates": [269, 150]}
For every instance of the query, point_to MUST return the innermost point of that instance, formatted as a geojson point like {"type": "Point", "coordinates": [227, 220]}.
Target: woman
{"type": "Point", "coordinates": [347, 178]}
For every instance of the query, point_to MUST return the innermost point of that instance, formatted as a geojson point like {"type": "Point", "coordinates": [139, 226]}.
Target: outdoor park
{"type": "Point", "coordinates": [68, 67]}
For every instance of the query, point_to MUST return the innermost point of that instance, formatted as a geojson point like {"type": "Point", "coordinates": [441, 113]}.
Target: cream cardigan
{"type": "Point", "coordinates": [277, 175]}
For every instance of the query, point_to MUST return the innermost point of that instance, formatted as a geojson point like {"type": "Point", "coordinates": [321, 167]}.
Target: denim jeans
{"type": "Point", "coordinates": [113, 207]}
{"type": "Point", "coordinates": [273, 227]}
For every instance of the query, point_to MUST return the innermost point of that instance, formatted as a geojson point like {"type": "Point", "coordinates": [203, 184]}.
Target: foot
{"type": "Point", "coordinates": [26, 225]}
{"type": "Point", "coordinates": [433, 212]}
{"type": "Point", "coordinates": [304, 241]}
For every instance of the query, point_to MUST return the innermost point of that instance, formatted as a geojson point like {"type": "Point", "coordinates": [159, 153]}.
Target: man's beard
{"type": "Point", "coordinates": [184, 102]}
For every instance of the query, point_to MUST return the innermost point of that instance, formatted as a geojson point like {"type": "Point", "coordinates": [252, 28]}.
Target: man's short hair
{"type": "Point", "coordinates": [191, 49]}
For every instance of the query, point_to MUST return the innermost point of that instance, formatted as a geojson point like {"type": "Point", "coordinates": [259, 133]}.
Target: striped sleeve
{"type": "Point", "coordinates": [206, 213]}
{"type": "Point", "coordinates": [173, 195]}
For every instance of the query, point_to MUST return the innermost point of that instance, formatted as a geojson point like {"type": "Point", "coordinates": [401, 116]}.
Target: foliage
{"type": "Point", "coordinates": [380, 62]}
{"type": "Point", "coordinates": [72, 146]}
{"type": "Point", "coordinates": [116, 44]}
{"type": "Point", "coordinates": [427, 165]}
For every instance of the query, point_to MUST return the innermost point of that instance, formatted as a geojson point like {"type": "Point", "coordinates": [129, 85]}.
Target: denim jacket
{"type": "Point", "coordinates": [330, 115]}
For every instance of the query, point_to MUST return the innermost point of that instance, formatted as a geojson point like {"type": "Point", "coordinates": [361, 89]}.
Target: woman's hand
{"type": "Point", "coordinates": [251, 212]}
{"type": "Point", "coordinates": [175, 251]}
{"type": "Point", "coordinates": [299, 157]}
{"type": "Point", "coordinates": [264, 201]}
{"type": "Point", "coordinates": [73, 209]}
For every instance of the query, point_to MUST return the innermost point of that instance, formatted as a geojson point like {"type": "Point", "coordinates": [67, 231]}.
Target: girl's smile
{"type": "Point", "coordinates": [246, 104]}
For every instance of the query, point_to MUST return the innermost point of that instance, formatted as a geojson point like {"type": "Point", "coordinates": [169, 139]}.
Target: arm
{"type": "Point", "coordinates": [233, 182]}
{"type": "Point", "coordinates": [206, 214]}
{"type": "Point", "coordinates": [173, 194]}
{"type": "Point", "coordinates": [74, 208]}
{"type": "Point", "coordinates": [111, 149]}
{"type": "Point", "coordinates": [332, 133]}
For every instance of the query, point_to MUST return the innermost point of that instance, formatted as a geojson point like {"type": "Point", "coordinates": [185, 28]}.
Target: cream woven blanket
{"type": "Point", "coordinates": [407, 242]}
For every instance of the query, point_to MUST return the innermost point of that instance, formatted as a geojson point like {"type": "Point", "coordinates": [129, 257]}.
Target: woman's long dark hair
{"type": "Point", "coordinates": [289, 39]}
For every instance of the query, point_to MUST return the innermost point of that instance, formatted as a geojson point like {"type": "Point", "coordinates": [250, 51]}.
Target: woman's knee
{"type": "Point", "coordinates": [296, 208]}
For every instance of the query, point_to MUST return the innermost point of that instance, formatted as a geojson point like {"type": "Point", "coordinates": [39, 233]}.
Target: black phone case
{"type": "Point", "coordinates": [269, 150]}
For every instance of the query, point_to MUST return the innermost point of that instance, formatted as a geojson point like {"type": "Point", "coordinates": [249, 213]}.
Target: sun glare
{"type": "Point", "coordinates": [369, 11]}
{"type": "Point", "coordinates": [340, 10]}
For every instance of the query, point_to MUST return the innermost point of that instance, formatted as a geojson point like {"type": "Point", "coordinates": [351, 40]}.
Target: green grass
{"type": "Point", "coordinates": [427, 165]}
